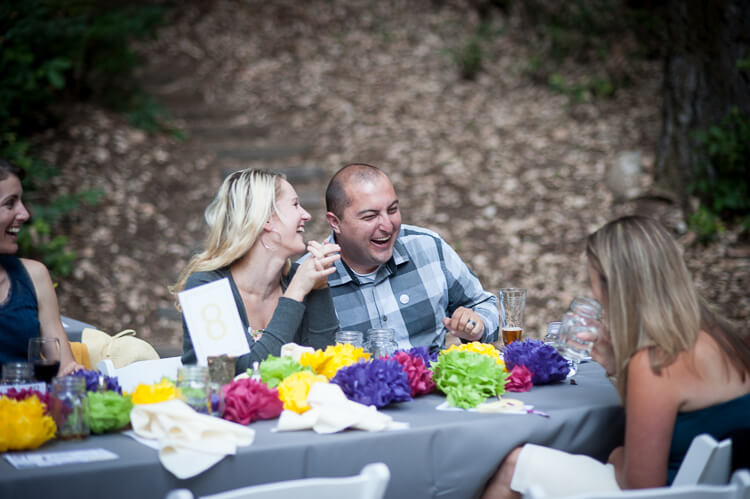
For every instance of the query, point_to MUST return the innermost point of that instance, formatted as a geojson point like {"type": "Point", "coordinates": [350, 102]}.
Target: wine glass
{"type": "Point", "coordinates": [579, 330]}
{"type": "Point", "coordinates": [44, 356]}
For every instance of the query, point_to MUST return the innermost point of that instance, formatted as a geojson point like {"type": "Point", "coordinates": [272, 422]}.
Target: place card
{"type": "Point", "coordinates": [23, 460]}
{"type": "Point", "coordinates": [213, 321]}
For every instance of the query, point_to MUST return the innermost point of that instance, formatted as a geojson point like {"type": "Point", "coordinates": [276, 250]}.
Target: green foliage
{"type": "Point", "coordinates": [722, 180]}
{"type": "Point", "coordinates": [606, 32]}
{"type": "Point", "coordinates": [52, 52]}
{"type": "Point", "coordinates": [743, 64]}
{"type": "Point", "coordinates": [469, 56]}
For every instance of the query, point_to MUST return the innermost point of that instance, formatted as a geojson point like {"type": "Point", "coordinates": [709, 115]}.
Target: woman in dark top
{"type": "Point", "coordinates": [28, 304]}
{"type": "Point", "coordinates": [256, 224]}
{"type": "Point", "coordinates": [679, 368]}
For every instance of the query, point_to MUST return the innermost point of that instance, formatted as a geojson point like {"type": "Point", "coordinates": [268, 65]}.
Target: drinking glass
{"type": "Point", "coordinates": [514, 302]}
{"type": "Point", "coordinates": [44, 356]}
{"type": "Point", "coordinates": [352, 337]}
{"type": "Point", "coordinates": [381, 342]}
{"type": "Point", "coordinates": [579, 330]}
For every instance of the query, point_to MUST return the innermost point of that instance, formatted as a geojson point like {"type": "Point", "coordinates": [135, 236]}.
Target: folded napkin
{"type": "Point", "coordinates": [189, 442]}
{"type": "Point", "coordinates": [295, 351]}
{"type": "Point", "coordinates": [331, 412]}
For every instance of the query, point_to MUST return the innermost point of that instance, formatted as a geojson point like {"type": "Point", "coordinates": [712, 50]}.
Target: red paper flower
{"type": "Point", "coordinates": [519, 380]}
{"type": "Point", "coordinates": [420, 377]}
{"type": "Point", "coordinates": [248, 400]}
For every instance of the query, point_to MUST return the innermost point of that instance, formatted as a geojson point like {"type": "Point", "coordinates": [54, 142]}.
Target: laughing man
{"type": "Point", "coordinates": [399, 276]}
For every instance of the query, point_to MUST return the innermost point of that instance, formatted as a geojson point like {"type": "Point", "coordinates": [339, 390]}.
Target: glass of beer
{"type": "Point", "coordinates": [514, 302]}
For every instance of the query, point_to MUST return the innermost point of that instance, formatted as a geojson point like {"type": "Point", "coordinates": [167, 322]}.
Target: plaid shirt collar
{"type": "Point", "coordinates": [344, 274]}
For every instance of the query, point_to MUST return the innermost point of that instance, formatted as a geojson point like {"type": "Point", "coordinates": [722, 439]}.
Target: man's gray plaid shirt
{"type": "Point", "coordinates": [424, 281]}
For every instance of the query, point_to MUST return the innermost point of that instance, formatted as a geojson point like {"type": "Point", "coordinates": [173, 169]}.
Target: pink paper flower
{"type": "Point", "coordinates": [248, 400]}
{"type": "Point", "coordinates": [519, 380]}
{"type": "Point", "coordinates": [420, 377]}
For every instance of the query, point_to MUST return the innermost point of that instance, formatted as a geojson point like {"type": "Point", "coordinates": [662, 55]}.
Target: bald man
{"type": "Point", "coordinates": [399, 276]}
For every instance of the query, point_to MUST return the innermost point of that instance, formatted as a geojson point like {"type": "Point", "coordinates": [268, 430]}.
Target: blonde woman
{"type": "Point", "coordinates": [680, 369]}
{"type": "Point", "coordinates": [256, 224]}
{"type": "Point", "coordinates": [28, 303]}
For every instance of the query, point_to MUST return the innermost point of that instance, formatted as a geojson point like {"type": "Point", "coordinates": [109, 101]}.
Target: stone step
{"type": "Point", "coordinates": [261, 153]}
{"type": "Point", "coordinates": [221, 133]}
{"type": "Point", "coordinates": [296, 175]}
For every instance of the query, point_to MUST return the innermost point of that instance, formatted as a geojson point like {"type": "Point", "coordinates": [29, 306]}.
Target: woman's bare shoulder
{"type": "Point", "coordinates": [37, 271]}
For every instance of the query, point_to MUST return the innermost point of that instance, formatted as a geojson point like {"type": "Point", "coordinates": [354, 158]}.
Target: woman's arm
{"type": "Point", "coordinates": [49, 313]}
{"type": "Point", "coordinates": [651, 407]}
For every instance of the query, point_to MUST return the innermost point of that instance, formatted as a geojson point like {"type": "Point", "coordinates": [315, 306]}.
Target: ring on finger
{"type": "Point", "coordinates": [471, 323]}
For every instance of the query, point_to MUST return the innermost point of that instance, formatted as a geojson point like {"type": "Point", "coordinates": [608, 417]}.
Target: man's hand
{"type": "Point", "coordinates": [465, 323]}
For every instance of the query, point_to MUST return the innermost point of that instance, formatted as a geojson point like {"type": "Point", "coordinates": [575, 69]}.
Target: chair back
{"type": "Point", "coordinates": [369, 484]}
{"type": "Point", "coordinates": [706, 462]}
{"type": "Point", "coordinates": [144, 371]}
{"type": "Point", "coordinates": [738, 488]}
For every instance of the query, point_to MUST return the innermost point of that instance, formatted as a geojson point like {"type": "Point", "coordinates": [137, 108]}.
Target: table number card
{"type": "Point", "coordinates": [213, 321]}
{"type": "Point", "coordinates": [23, 460]}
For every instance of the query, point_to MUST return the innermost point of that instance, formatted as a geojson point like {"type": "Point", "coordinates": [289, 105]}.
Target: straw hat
{"type": "Point", "coordinates": [122, 349]}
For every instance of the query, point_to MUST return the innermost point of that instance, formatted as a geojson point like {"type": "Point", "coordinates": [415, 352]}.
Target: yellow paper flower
{"type": "Point", "coordinates": [151, 394]}
{"type": "Point", "coordinates": [294, 388]}
{"type": "Point", "coordinates": [327, 362]}
{"type": "Point", "coordinates": [478, 347]}
{"type": "Point", "coordinates": [23, 424]}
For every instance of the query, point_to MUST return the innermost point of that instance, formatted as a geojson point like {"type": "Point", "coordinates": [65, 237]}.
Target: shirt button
{"type": "Point", "coordinates": [385, 318]}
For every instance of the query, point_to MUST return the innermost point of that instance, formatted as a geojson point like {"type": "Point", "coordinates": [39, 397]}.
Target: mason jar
{"type": "Point", "coordinates": [381, 343]}
{"type": "Point", "coordinates": [70, 407]}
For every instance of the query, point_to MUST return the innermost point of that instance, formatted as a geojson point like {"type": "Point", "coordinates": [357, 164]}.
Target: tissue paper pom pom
{"type": "Point", "coordinates": [519, 380]}
{"type": "Point", "coordinates": [420, 377]}
{"type": "Point", "coordinates": [478, 347]}
{"type": "Point", "coordinates": [327, 362]}
{"type": "Point", "coordinates": [545, 364]}
{"type": "Point", "coordinates": [294, 388]}
{"type": "Point", "coordinates": [24, 393]}
{"type": "Point", "coordinates": [423, 352]}
{"type": "Point", "coordinates": [247, 400]}
{"type": "Point", "coordinates": [91, 378]}
{"type": "Point", "coordinates": [151, 394]}
{"type": "Point", "coordinates": [109, 411]}
{"type": "Point", "coordinates": [24, 424]}
{"type": "Point", "coordinates": [378, 382]}
{"type": "Point", "coordinates": [274, 369]}
{"type": "Point", "coordinates": [468, 378]}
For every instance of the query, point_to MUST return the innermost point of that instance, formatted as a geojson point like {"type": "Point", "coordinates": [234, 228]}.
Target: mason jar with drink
{"type": "Point", "coordinates": [514, 303]}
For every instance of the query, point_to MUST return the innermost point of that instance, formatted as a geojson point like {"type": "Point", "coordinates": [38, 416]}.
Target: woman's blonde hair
{"type": "Point", "coordinates": [245, 202]}
{"type": "Point", "coordinates": [651, 299]}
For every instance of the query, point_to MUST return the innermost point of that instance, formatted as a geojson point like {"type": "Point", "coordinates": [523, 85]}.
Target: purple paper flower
{"type": "Point", "coordinates": [378, 382]}
{"type": "Point", "coordinates": [542, 360]}
{"type": "Point", "coordinates": [423, 352]}
{"type": "Point", "coordinates": [91, 378]}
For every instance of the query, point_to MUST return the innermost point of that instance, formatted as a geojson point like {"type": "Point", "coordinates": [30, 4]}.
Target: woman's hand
{"type": "Point", "coordinates": [603, 352]}
{"type": "Point", "coordinates": [314, 271]}
{"type": "Point", "coordinates": [70, 368]}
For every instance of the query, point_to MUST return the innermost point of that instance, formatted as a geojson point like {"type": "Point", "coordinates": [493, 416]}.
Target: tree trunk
{"type": "Point", "coordinates": [702, 81]}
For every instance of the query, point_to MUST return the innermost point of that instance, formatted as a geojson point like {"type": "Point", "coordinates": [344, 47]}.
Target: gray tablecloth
{"type": "Point", "coordinates": [447, 454]}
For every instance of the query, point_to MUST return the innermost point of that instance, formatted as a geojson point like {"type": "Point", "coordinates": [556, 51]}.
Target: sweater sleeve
{"type": "Point", "coordinates": [320, 325]}
{"type": "Point", "coordinates": [281, 329]}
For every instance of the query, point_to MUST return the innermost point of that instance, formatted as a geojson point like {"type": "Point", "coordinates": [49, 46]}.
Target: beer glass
{"type": "Point", "coordinates": [514, 302]}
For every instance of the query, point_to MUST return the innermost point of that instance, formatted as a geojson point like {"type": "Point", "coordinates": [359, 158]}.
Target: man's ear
{"type": "Point", "coordinates": [333, 221]}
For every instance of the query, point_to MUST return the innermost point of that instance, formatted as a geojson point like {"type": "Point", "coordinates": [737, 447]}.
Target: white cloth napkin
{"type": "Point", "coordinates": [332, 412]}
{"type": "Point", "coordinates": [189, 442]}
{"type": "Point", "coordinates": [295, 351]}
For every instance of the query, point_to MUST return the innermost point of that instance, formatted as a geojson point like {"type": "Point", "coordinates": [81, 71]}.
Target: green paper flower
{"type": "Point", "coordinates": [108, 411]}
{"type": "Point", "coordinates": [273, 370]}
{"type": "Point", "coordinates": [468, 378]}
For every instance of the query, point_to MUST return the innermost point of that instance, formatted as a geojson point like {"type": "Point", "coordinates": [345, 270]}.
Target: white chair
{"type": "Point", "coordinates": [707, 462]}
{"type": "Point", "coordinates": [369, 484]}
{"type": "Point", "coordinates": [738, 488]}
{"type": "Point", "coordinates": [144, 371]}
